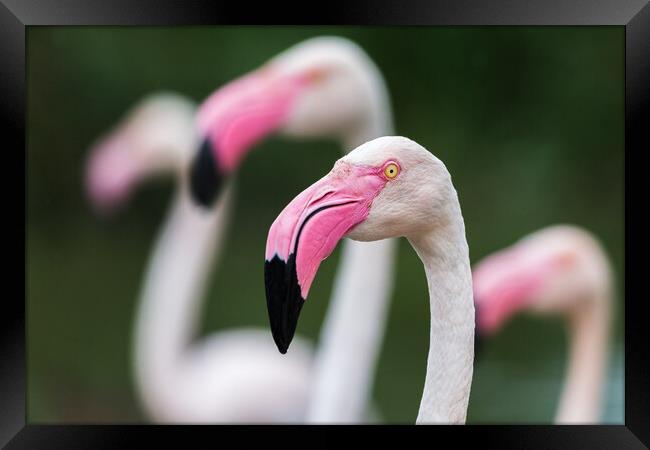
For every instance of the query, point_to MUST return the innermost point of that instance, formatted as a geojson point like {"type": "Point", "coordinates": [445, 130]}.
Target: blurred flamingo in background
{"type": "Point", "coordinates": [557, 270]}
{"type": "Point", "coordinates": [388, 187]}
{"type": "Point", "coordinates": [234, 375]}
{"type": "Point", "coordinates": [321, 87]}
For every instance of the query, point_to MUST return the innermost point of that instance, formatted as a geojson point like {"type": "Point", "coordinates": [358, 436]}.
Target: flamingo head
{"type": "Point", "coordinates": [322, 87]}
{"type": "Point", "coordinates": [387, 187]}
{"type": "Point", "coordinates": [155, 136]}
{"type": "Point", "coordinates": [557, 269]}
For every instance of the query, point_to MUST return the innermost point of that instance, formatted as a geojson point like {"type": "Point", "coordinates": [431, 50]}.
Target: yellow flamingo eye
{"type": "Point", "coordinates": [391, 170]}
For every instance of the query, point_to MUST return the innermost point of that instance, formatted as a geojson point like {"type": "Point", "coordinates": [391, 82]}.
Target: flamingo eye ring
{"type": "Point", "coordinates": [391, 170]}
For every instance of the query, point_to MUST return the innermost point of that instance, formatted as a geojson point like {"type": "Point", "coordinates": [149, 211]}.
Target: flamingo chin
{"type": "Point", "coordinates": [306, 232]}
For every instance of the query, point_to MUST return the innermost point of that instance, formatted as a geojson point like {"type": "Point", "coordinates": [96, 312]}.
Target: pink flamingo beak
{"type": "Point", "coordinates": [233, 119]}
{"type": "Point", "coordinates": [505, 283]}
{"type": "Point", "coordinates": [305, 233]}
{"type": "Point", "coordinates": [111, 173]}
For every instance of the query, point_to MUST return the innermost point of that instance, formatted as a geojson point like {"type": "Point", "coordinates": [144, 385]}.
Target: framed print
{"type": "Point", "coordinates": [378, 215]}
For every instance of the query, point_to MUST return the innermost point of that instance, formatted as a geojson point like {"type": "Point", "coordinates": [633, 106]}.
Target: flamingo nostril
{"type": "Point", "coordinates": [317, 199]}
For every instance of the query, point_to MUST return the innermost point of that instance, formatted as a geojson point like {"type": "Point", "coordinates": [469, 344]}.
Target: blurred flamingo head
{"type": "Point", "coordinates": [322, 87]}
{"type": "Point", "coordinates": [155, 136]}
{"type": "Point", "coordinates": [558, 269]}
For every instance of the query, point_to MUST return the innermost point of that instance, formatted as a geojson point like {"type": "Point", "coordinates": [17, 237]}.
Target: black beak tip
{"type": "Point", "coordinates": [206, 178]}
{"type": "Point", "coordinates": [280, 337]}
{"type": "Point", "coordinates": [283, 299]}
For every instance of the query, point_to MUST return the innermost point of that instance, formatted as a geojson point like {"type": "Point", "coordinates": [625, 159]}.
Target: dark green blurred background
{"type": "Point", "coordinates": [529, 122]}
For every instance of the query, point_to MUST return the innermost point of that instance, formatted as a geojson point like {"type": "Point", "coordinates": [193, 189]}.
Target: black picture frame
{"type": "Point", "coordinates": [17, 15]}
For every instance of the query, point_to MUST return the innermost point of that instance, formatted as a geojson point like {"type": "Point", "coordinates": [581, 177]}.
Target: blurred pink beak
{"type": "Point", "coordinates": [305, 233]}
{"type": "Point", "coordinates": [504, 284]}
{"type": "Point", "coordinates": [233, 119]}
{"type": "Point", "coordinates": [111, 173]}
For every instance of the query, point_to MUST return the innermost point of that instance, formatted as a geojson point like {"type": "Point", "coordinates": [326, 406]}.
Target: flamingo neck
{"type": "Point", "coordinates": [581, 399]}
{"type": "Point", "coordinates": [349, 348]}
{"type": "Point", "coordinates": [445, 255]}
{"type": "Point", "coordinates": [352, 333]}
{"type": "Point", "coordinates": [377, 124]}
{"type": "Point", "coordinates": [379, 120]}
{"type": "Point", "coordinates": [166, 320]}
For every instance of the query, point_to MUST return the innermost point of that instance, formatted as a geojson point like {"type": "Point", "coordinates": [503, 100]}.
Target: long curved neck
{"type": "Point", "coordinates": [581, 399]}
{"type": "Point", "coordinates": [379, 121]}
{"type": "Point", "coordinates": [352, 333]}
{"type": "Point", "coordinates": [450, 361]}
{"type": "Point", "coordinates": [170, 297]}
{"type": "Point", "coordinates": [377, 125]}
{"type": "Point", "coordinates": [349, 347]}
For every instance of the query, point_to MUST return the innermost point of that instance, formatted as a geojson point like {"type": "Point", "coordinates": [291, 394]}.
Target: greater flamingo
{"type": "Point", "coordinates": [228, 376]}
{"type": "Point", "coordinates": [324, 86]}
{"type": "Point", "coordinates": [387, 187]}
{"type": "Point", "coordinates": [560, 270]}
